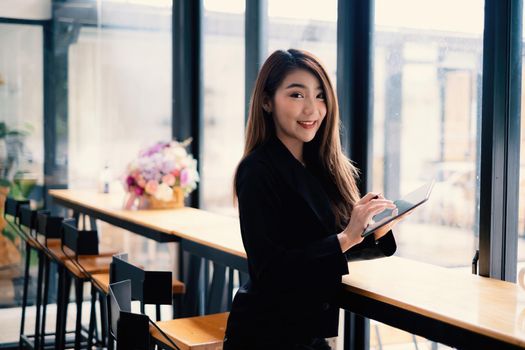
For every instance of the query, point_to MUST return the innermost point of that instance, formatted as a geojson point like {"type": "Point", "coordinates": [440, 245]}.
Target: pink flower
{"type": "Point", "coordinates": [168, 179]}
{"type": "Point", "coordinates": [139, 191]}
{"type": "Point", "coordinates": [183, 177]}
{"type": "Point", "coordinates": [176, 172]}
{"type": "Point", "coordinates": [130, 181]}
{"type": "Point", "coordinates": [151, 187]}
{"type": "Point", "coordinates": [141, 182]}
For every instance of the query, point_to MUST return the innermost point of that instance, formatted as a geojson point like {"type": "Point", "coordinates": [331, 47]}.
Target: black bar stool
{"type": "Point", "coordinates": [81, 246]}
{"type": "Point", "coordinates": [27, 224]}
{"type": "Point", "coordinates": [153, 287]}
{"type": "Point", "coordinates": [48, 232]}
{"type": "Point", "coordinates": [12, 209]}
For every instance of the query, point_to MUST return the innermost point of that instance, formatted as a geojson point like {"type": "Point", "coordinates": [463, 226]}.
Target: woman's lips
{"type": "Point", "coordinates": [308, 125]}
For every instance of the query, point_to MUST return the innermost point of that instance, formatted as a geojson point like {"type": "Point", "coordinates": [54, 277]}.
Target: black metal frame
{"type": "Point", "coordinates": [355, 21]}
{"type": "Point", "coordinates": [500, 144]}
{"type": "Point", "coordinates": [255, 45]}
{"type": "Point", "coordinates": [354, 54]}
{"type": "Point", "coordinates": [188, 87]}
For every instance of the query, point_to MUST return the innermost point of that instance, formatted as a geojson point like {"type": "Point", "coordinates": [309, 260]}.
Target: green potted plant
{"type": "Point", "coordinates": [11, 147]}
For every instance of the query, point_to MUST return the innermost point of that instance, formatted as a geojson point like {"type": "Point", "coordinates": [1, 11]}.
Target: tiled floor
{"type": "Point", "coordinates": [10, 319]}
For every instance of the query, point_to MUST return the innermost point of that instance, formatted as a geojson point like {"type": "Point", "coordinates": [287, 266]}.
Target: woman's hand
{"type": "Point", "coordinates": [364, 209]}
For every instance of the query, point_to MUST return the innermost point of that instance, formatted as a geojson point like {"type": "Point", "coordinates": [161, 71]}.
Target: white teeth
{"type": "Point", "coordinates": [307, 123]}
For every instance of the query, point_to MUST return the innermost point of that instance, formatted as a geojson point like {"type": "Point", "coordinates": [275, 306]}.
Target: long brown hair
{"type": "Point", "coordinates": [325, 148]}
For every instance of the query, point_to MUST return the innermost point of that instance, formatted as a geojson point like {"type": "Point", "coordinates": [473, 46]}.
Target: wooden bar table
{"type": "Point", "coordinates": [205, 239]}
{"type": "Point", "coordinates": [447, 306]}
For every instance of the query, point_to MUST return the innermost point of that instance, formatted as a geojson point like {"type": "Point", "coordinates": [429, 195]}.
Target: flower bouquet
{"type": "Point", "coordinates": [161, 177]}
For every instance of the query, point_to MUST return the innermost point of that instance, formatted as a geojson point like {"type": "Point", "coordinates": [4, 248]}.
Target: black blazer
{"type": "Point", "coordinates": [294, 257]}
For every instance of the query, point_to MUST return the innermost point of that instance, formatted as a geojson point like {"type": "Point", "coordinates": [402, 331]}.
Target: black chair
{"type": "Point", "coordinates": [148, 287]}
{"type": "Point", "coordinates": [80, 246]}
{"type": "Point", "coordinates": [129, 329]}
{"type": "Point", "coordinates": [12, 215]}
{"type": "Point", "coordinates": [154, 287]}
{"type": "Point", "coordinates": [47, 234]}
{"type": "Point", "coordinates": [27, 224]}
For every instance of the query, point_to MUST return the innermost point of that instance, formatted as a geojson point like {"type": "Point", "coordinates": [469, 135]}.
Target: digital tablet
{"type": "Point", "coordinates": [408, 202]}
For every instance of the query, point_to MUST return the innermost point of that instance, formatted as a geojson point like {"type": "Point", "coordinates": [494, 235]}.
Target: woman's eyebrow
{"type": "Point", "coordinates": [299, 85]}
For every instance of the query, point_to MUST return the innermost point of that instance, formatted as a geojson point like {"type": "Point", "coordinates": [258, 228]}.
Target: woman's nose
{"type": "Point", "coordinates": [309, 106]}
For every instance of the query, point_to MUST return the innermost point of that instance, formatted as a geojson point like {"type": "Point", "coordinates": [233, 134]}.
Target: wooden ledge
{"type": "Point", "coordinates": [482, 305]}
{"type": "Point", "coordinates": [89, 264]}
{"type": "Point", "coordinates": [201, 332]}
{"type": "Point", "coordinates": [101, 281]}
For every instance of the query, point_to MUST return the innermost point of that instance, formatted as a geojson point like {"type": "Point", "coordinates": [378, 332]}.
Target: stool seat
{"type": "Point", "coordinates": [54, 247]}
{"type": "Point", "coordinates": [201, 332]}
{"type": "Point", "coordinates": [102, 280]}
{"type": "Point", "coordinates": [178, 287]}
{"type": "Point", "coordinates": [33, 243]}
{"type": "Point", "coordinates": [91, 265]}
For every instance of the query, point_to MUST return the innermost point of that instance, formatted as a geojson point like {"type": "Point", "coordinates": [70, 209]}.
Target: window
{"type": "Point", "coordinates": [427, 101]}
{"type": "Point", "coordinates": [223, 129]}
{"type": "Point", "coordinates": [120, 89]}
{"type": "Point", "coordinates": [427, 109]}
{"type": "Point", "coordinates": [119, 102]}
{"type": "Point", "coordinates": [311, 26]}
{"type": "Point", "coordinates": [21, 108]}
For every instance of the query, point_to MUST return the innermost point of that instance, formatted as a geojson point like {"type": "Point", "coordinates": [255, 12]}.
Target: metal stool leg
{"type": "Point", "coordinates": [62, 306]}
{"type": "Point", "coordinates": [93, 316]}
{"type": "Point", "coordinates": [47, 272]}
{"type": "Point", "coordinates": [177, 305]}
{"type": "Point", "coordinates": [103, 319]}
{"type": "Point", "coordinates": [24, 293]}
{"type": "Point", "coordinates": [38, 299]}
{"type": "Point", "coordinates": [79, 294]}
{"type": "Point", "coordinates": [157, 312]}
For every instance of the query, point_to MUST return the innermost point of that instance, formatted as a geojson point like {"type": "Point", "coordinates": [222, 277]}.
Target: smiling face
{"type": "Point", "coordinates": [298, 108]}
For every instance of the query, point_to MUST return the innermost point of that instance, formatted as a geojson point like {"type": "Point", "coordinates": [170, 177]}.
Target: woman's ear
{"type": "Point", "coordinates": [267, 105]}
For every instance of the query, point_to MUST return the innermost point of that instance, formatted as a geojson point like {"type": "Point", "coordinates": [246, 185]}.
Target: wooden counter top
{"type": "Point", "coordinates": [481, 308]}
{"type": "Point", "coordinates": [199, 226]}
{"type": "Point", "coordinates": [482, 305]}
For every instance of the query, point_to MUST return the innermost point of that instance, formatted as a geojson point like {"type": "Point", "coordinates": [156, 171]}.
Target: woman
{"type": "Point", "coordinates": [300, 212]}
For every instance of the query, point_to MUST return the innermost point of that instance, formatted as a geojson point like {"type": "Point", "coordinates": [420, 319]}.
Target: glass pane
{"type": "Point", "coordinates": [223, 103]}
{"type": "Point", "coordinates": [427, 102]}
{"type": "Point", "coordinates": [120, 102]}
{"type": "Point", "coordinates": [119, 89]}
{"type": "Point", "coordinates": [310, 26]}
{"type": "Point", "coordinates": [21, 109]}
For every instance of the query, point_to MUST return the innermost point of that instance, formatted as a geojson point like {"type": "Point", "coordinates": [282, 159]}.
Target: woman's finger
{"type": "Point", "coordinates": [387, 204]}
{"type": "Point", "coordinates": [373, 211]}
{"type": "Point", "coordinates": [368, 197]}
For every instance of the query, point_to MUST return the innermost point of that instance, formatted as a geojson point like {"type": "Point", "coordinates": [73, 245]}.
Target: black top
{"type": "Point", "coordinates": [294, 257]}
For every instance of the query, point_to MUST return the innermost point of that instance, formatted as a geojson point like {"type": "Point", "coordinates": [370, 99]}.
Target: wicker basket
{"type": "Point", "coordinates": [177, 201]}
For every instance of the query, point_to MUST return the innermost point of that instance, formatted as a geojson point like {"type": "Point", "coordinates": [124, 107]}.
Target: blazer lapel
{"type": "Point", "coordinates": [302, 181]}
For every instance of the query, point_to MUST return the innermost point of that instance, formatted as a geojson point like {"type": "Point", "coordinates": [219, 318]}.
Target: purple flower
{"type": "Point", "coordinates": [139, 191]}
{"type": "Point", "coordinates": [183, 177]}
{"type": "Point", "coordinates": [154, 149]}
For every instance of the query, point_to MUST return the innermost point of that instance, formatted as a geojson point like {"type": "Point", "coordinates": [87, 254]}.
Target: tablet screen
{"type": "Point", "coordinates": [408, 202]}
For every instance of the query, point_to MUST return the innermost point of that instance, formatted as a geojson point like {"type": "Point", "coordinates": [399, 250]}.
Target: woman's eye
{"type": "Point", "coordinates": [321, 96]}
{"type": "Point", "coordinates": [296, 95]}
